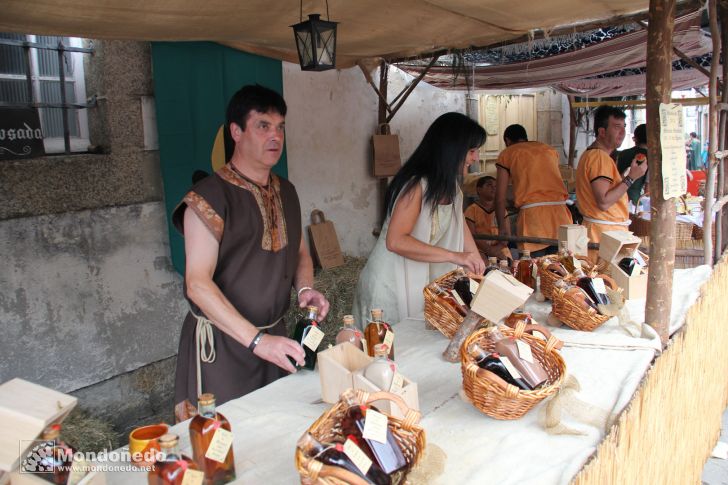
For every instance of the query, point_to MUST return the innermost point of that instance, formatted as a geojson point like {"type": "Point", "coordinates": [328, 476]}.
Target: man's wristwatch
{"type": "Point", "coordinates": [628, 181]}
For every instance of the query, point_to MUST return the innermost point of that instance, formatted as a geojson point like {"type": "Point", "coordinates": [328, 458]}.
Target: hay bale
{"type": "Point", "coordinates": [87, 433]}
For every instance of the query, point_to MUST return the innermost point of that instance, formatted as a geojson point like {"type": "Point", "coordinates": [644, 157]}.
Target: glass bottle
{"type": "Point", "coordinates": [301, 331]}
{"type": "Point", "coordinates": [349, 333]}
{"type": "Point", "coordinates": [202, 430]}
{"type": "Point", "coordinates": [462, 287]}
{"type": "Point", "coordinates": [567, 258]}
{"type": "Point", "coordinates": [171, 469]}
{"type": "Point", "coordinates": [57, 456]}
{"type": "Point", "coordinates": [387, 455]}
{"type": "Point", "coordinates": [532, 372]}
{"type": "Point", "coordinates": [587, 284]}
{"type": "Point", "coordinates": [524, 270]}
{"type": "Point", "coordinates": [332, 454]}
{"type": "Point", "coordinates": [376, 331]}
{"type": "Point", "coordinates": [492, 363]}
{"type": "Point", "coordinates": [627, 265]}
{"type": "Point", "coordinates": [492, 264]}
{"type": "Point", "coordinates": [503, 267]}
{"type": "Point", "coordinates": [450, 299]}
{"type": "Point", "coordinates": [381, 370]}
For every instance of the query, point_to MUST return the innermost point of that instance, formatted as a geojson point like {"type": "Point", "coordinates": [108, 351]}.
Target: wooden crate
{"type": "Point", "coordinates": [576, 238]}
{"type": "Point", "coordinates": [408, 393]}
{"type": "Point", "coordinates": [615, 245]}
{"type": "Point", "coordinates": [498, 295]}
{"type": "Point", "coordinates": [336, 369]}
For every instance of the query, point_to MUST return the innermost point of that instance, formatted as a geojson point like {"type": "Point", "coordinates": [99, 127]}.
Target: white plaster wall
{"type": "Point", "coordinates": [331, 117]}
{"type": "Point", "coordinates": [88, 295]}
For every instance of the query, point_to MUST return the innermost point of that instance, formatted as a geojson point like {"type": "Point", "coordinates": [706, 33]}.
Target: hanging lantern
{"type": "Point", "coordinates": [316, 43]}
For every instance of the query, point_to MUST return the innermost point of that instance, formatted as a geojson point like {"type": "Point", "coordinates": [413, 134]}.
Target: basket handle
{"type": "Point", "coordinates": [475, 371]}
{"type": "Point", "coordinates": [317, 469]}
{"type": "Point", "coordinates": [551, 341]}
{"type": "Point", "coordinates": [411, 417]}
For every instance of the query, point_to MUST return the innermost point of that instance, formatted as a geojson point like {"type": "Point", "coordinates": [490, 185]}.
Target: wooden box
{"type": "Point", "coordinates": [336, 366]}
{"type": "Point", "coordinates": [498, 295]}
{"type": "Point", "coordinates": [90, 478]}
{"type": "Point", "coordinates": [408, 393]}
{"type": "Point", "coordinates": [614, 246]}
{"type": "Point", "coordinates": [576, 238]}
{"type": "Point", "coordinates": [26, 409]}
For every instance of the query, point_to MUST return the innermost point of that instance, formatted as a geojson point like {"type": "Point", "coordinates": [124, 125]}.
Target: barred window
{"type": "Point", "coordinates": [47, 73]}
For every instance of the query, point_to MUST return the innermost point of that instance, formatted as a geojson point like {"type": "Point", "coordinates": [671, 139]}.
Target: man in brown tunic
{"type": "Point", "coordinates": [244, 251]}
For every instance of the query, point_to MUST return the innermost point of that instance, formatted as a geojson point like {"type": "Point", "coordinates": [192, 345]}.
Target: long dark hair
{"type": "Point", "coordinates": [438, 159]}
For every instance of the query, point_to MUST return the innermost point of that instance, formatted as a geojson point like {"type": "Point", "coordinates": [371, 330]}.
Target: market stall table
{"type": "Point", "coordinates": [608, 365]}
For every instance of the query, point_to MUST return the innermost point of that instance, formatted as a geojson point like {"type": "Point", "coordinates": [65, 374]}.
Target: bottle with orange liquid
{"type": "Point", "coordinates": [219, 468]}
{"type": "Point", "coordinates": [171, 469]}
{"type": "Point", "coordinates": [376, 333]}
{"type": "Point", "coordinates": [525, 270]}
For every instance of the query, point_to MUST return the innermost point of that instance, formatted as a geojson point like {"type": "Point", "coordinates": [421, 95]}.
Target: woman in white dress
{"type": "Point", "coordinates": [423, 235]}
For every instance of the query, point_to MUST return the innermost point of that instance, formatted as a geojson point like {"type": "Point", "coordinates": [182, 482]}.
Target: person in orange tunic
{"type": "Point", "coordinates": [480, 218]}
{"type": "Point", "coordinates": [539, 192]}
{"type": "Point", "coordinates": [601, 191]}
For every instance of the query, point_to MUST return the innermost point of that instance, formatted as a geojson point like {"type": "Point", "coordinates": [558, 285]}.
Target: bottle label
{"type": "Point", "coordinates": [388, 339]}
{"type": "Point", "coordinates": [457, 298]}
{"type": "Point", "coordinates": [510, 367]}
{"type": "Point", "coordinates": [313, 338]}
{"type": "Point", "coordinates": [576, 262]}
{"type": "Point", "coordinates": [599, 286]}
{"type": "Point", "coordinates": [524, 351]}
{"type": "Point", "coordinates": [364, 344]}
{"type": "Point", "coordinates": [534, 271]}
{"type": "Point", "coordinates": [375, 426]}
{"type": "Point", "coordinates": [397, 384]}
{"type": "Point", "coordinates": [193, 477]}
{"type": "Point", "coordinates": [357, 457]}
{"type": "Point", "coordinates": [474, 286]}
{"type": "Point", "coordinates": [221, 442]}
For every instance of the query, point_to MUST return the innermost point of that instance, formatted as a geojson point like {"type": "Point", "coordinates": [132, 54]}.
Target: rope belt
{"type": "Point", "coordinates": [541, 204]}
{"type": "Point", "coordinates": [609, 223]}
{"type": "Point", "coordinates": [205, 344]}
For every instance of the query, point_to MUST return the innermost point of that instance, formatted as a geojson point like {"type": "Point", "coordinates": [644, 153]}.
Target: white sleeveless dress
{"type": "Point", "coordinates": [394, 283]}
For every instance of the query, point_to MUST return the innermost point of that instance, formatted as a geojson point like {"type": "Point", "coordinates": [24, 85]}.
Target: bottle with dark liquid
{"type": "Point", "coordinates": [202, 430]}
{"type": "Point", "coordinates": [524, 270]}
{"type": "Point", "coordinates": [387, 455]}
{"type": "Point", "coordinates": [349, 333]}
{"type": "Point", "coordinates": [301, 331]}
{"type": "Point", "coordinates": [376, 332]}
{"type": "Point", "coordinates": [173, 466]}
{"type": "Point", "coordinates": [533, 373]}
{"type": "Point", "coordinates": [492, 264]}
{"type": "Point", "coordinates": [450, 299]}
{"type": "Point", "coordinates": [332, 454]}
{"type": "Point", "coordinates": [627, 265]}
{"type": "Point", "coordinates": [492, 363]}
{"type": "Point", "coordinates": [587, 284]}
{"type": "Point", "coordinates": [462, 287]}
{"type": "Point", "coordinates": [57, 456]}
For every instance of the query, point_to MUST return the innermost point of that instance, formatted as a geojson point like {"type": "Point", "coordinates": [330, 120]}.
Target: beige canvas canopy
{"type": "Point", "coordinates": [367, 28]}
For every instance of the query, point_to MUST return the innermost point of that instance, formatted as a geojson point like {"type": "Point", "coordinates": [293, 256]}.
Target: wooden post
{"type": "Point", "coordinates": [572, 131]}
{"type": "Point", "coordinates": [382, 118]}
{"type": "Point", "coordinates": [713, 138]}
{"type": "Point", "coordinates": [721, 233]}
{"type": "Point", "coordinates": [662, 232]}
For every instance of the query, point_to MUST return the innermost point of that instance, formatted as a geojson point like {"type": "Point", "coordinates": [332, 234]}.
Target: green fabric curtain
{"type": "Point", "coordinates": [193, 82]}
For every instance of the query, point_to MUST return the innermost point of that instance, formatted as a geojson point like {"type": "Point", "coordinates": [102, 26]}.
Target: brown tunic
{"type": "Point", "coordinates": [259, 239]}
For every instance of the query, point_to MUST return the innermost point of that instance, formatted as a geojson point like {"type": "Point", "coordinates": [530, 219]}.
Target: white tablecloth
{"type": "Point", "coordinates": [608, 364]}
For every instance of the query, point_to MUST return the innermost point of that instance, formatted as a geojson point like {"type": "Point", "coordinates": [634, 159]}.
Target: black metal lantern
{"type": "Point", "coordinates": [316, 43]}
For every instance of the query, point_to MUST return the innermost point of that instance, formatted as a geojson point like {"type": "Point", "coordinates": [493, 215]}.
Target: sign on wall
{"type": "Point", "coordinates": [672, 136]}
{"type": "Point", "coordinates": [20, 133]}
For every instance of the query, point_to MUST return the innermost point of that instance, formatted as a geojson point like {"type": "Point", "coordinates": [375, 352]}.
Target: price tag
{"type": "Point", "coordinates": [576, 262]}
{"type": "Point", "coordinates": [474, 285]}
{"type": "Point", "coordinates": [457, 298]}
{"type": "Point", "coordinates": [599, 286]}
{"type": "Point", "coordinates": [388, 339]}
{"type": "Point", "coordinates": [357, 457]}
{"type": "Point", "coordinates": [193, 477]}
{"type": "Point", "coordinates": [313, 338]}
{"type": "Point", "coordinates": [364, 345]}
{"type": "Point", "coordinates": [221, 442]}
{"type": "Point", "coordinates": [397, 384]}
{"type": "Point", "coordinates": [510, 367]}
{"type": "Point", "coordinates": [524, 351]}
{"type": "Point", "coordinates": [534, 271]}
{"type": "Point", "coordinates": [375, 426]}
{"type": "Point", "coordinates": [640, 259]}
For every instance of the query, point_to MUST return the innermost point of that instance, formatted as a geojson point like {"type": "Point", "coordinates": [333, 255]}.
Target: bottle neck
{"type": "Point", "coordinates": [207, 410]}
{"type": "Point", "coordinates": [172, 453]}
{"type": "Point", "coordinates": [311, 315]}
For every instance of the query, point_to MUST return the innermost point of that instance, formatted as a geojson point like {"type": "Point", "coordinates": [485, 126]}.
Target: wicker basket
{"type": "Point", "coordinates": [439, 313]}
{"type": "Point", "coordinates": [641, 227]}
{"type": "Point", "coordinates": [409, 435]}
{"type": "Point", "coordinates": [574, 315]}
{"type": "Point", "coordinates": [495, 397]}
{"type": "Point", "coordinates": [549, 278]}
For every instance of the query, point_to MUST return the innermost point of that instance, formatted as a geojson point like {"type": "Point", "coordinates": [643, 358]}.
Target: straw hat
{"type": "Point", "coordinates": [471, 179]}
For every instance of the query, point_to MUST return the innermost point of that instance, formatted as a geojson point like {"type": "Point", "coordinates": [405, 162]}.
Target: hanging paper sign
{"type": "Point", "coordinates": [672, 142]}
{"type": "Point", "coordinates": [491, 115]}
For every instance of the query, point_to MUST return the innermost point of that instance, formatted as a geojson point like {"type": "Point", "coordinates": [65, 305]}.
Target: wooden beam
{"type": "Point", "coordinates": [411, 88]}
{"type": "Point", "coordinates": [572, 132]}
{"type": "Point", "coordinates": [721, 227]}
{"type": "Point", "coordinates": [641, 103]}
{"type": "Point", "coordinates": [682, 55]}
{"type": "Point", "coordinates": [682, 9]}
{"type": "Point", "coordinates": [713, 130]}
{"type": "Point", "coordinates": [663, 213]}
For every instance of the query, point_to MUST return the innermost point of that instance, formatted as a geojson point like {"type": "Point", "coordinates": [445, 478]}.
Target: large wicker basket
{"type": "Point", "coordinates": [641, 227]}
{"type": "Point", "coordinates": [495, 397]}
{"type": "Point", "coordinates": [409, 435]}
{"type": "Point", "coordinates": [573, 314]}
{"type": "Point", "coordinates": [549, 278]}
{"type": "Point", "coordinates": [439, 313]}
